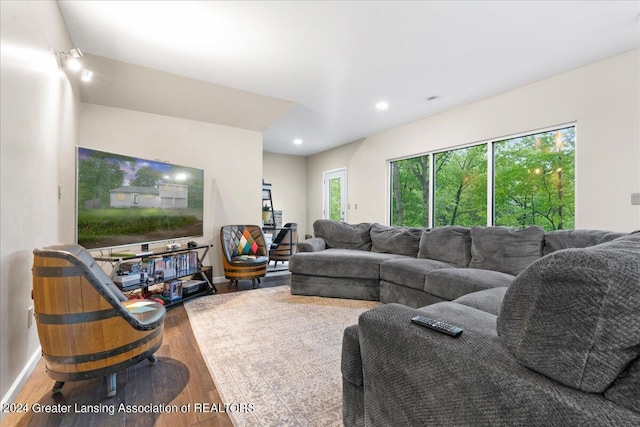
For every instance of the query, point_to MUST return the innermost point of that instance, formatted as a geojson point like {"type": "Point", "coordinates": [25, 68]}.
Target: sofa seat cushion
{"type": "Point", "coordinates": [335, 287]}
{"type": "Point", "coordinates": [416, 298]}
{"type": "Point", "coordinates": [339, 263]}
{"type": "Point", "coordinates": [489, 300]}
{"type": "Point", "coordinates": [395, 240]}
{"type": "Point", "coordinates": [573, 315]}
{"type": "Point", "coordinates": [452, 283]}
{"type": "Point", "coordinates": [341, 235]}
{"type": "Point", "coordinates": [410, 272]}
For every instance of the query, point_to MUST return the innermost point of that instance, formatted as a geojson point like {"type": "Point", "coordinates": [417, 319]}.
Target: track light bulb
{"type": "Point", "coordinates": [73, 64]}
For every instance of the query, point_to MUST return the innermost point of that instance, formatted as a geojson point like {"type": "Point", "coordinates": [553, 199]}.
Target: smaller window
{"type": "Point", "coordinates": [461, 187]}
{"type": "Point", "coordinates": [410, 192]}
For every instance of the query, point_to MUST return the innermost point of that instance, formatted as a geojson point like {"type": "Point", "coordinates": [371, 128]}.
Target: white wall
{"type": "Point", "coordinates": [602, 98]}
{"type": "Point", "coordinates": [41, 122]}
{"type": "Point", "coordinates": [39, 114]}
{"type": "Point", "coordinates": [231, 159]}
{"type": "Point", "coordinates": [288, 177]}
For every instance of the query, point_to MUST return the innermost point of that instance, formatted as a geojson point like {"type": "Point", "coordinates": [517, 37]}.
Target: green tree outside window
{"type": "Point", "coordinates": [334, 200]}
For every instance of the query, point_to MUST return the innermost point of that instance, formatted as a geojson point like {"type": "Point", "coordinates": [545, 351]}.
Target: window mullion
{"type": "Point", "coordinates": [490, 186]}
{"type": "Point", "coordinates": [432, 188]}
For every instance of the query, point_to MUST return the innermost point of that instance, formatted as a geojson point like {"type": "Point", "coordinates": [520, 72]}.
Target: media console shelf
{"type": "Point", "coordinates": [153, 265]}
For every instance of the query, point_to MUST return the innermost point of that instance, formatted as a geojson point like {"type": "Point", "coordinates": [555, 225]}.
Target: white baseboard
{"type": "Point", "coordinates": [17, 385]}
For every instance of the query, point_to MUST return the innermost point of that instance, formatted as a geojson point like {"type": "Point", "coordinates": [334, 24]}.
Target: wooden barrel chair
{"type": "Point", "coordinates": [284, 245]}
{"type": "Point", "coordinates": [86, 326]}
{"type": "Point", "coordinates": [244, 253]}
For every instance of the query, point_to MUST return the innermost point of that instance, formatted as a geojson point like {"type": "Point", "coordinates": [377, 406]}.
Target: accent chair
{"type": "Point", "coordinates": [284, 245]}
{"type": "Point", "coordinates": [87, 327]}
{"type": "Point", "coordinates": [244, 253]}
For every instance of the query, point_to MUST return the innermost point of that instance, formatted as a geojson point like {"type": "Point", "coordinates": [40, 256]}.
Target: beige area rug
{"type": "Point", "coordinates": [276, 353]}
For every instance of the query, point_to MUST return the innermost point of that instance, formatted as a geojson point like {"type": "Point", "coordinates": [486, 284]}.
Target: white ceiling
{"type": "Point", "coordinates": [335, 60]}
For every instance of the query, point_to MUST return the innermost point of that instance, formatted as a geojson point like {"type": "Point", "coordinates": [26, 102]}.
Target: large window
{"type": "Point", "coordinates": [534, 180]}
{"type": "Point", "coordinates": [533, 183]}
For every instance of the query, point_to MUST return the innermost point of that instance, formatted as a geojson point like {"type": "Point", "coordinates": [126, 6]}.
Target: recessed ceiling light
{"type": "Point", "coordinates": [382, 105]}
{"type": "Point", "coordinates": [431, 98]}
{"type": "Point", "coordinates": [297, 141]}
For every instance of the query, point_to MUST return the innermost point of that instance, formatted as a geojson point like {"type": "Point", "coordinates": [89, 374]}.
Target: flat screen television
{"type": "Point", "coordinates": [124, 201]}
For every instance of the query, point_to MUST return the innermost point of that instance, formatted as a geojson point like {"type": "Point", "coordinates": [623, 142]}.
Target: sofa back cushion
{"type": "Point", "coordinates": [341, 235]}
{"type": "Point", "coordinates": [450, 244]}
{"type": "Point", "coordinates": [395, 240]}
{"type": "Point", "coordinates": [565, 239]}
{"type": "Point", "coordinates": [505, 249]}
{"type": "Point", "coordinates": [573, 314]}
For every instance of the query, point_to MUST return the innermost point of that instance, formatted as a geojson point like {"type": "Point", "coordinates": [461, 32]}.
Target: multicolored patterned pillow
{"type": "Point", "coordinates": [245, 243]}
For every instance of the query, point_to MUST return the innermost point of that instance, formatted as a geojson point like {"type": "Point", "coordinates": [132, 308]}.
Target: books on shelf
{"type": "Point", "coordinates": [156, 269]}
{"type": "Point", "coordinates": [277, 218]}
{"type": "Point", "coordinates": [173, 290]}
{"type": "Point", "coordinates": [172, 265]}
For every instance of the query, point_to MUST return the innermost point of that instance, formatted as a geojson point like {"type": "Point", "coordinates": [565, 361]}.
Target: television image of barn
{"type": "Point", "coordinates": [164, 196]}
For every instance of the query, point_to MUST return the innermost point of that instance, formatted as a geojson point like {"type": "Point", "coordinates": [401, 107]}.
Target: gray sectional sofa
{"type": "Point", "coordinates": [551, 323]}
{"type": "Point", "coordinates": [416, 267]}
{"type": "Point", "coordinates": [559, 347]}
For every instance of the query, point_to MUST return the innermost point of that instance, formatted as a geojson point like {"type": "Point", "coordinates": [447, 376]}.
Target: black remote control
{"type": "Point", "coordinates": [445, 328]}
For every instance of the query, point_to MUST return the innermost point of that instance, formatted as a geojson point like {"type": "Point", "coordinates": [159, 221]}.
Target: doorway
{"type": "Point", "coordinates": [334, 195]}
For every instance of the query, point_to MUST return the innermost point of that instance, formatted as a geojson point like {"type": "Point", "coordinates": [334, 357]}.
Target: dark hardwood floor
{"type": "Point", "coordinates": [179, 378]}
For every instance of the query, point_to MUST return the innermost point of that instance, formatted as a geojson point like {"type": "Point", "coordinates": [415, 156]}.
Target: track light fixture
{"type": "Point", "coordinates": [71, 61]}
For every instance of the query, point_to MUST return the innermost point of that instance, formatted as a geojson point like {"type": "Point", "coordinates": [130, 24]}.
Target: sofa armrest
{"type": "Point", "coordinates": [415, 376]}
{"type": "Point", "coordinates": [351, 364]}
{"type": "Point", "coordinates": [315, 244]}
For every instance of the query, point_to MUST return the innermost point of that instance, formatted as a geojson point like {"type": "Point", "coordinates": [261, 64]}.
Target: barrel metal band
{"type": "Point", "coordinates": [100, 372]}
{"type": "Point", "coordinates": [57, 271]}
{"type": "Point", "coordinates": [252, 269]}
{"type": "Point", "coordinates": [82, 358]}
{"type": "Point", "coordinates": [70, 318]}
